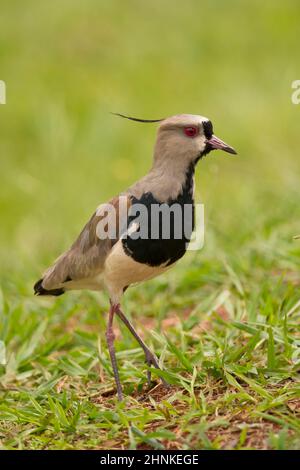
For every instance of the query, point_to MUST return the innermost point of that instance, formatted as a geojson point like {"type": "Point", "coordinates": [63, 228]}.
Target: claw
{"type": "Point", "coordinates": [149, 377]}
{"type": "Point", "coordinates": [151, 360]}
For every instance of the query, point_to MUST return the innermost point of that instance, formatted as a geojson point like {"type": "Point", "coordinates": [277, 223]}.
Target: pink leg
{"type": "Point", "coordinates": [151, 359]}
{"type": "Point", "coordinates": [110, 338]}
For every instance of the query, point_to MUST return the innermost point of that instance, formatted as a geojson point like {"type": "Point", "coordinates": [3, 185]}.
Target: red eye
{"type": "Point", "coordinates": [191, 131]}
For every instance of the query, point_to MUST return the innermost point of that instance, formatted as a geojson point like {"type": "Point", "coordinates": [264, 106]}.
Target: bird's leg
{"type": "Point", "coordinates": [151, 359]}
{"type": "Point", "coordinates": [110, 337]}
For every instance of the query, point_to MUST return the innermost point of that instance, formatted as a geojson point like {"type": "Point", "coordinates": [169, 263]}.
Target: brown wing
{"type": "Point", "coordinates": [86, 257]}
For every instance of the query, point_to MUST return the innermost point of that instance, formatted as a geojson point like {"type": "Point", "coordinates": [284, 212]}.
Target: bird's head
{"type": "Point", "coordinates": [184, 138]}
{"type": "Point", "coordinates": [189, 137]}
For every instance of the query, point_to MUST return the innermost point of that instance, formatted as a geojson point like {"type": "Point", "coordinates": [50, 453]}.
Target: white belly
{"type": "Point", "coordinates": [121, 270]}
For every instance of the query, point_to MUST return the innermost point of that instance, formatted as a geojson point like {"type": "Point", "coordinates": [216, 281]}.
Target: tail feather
{"type": "Point", "coordinates": [39, 289]}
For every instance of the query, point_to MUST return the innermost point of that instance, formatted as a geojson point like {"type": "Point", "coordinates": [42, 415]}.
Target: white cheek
{"type": "Point", "coordinates": [201, 143]}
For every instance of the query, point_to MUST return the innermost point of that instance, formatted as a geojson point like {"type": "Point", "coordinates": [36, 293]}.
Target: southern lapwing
{"type": "Point", "coordinates": [111, 253]}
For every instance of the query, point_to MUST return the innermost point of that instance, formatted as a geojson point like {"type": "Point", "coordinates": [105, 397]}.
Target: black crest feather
{"type": "Point", "coordinates": [137, 119]}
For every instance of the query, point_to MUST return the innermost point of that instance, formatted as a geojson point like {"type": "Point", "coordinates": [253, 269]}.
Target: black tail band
{"type": "Point", "coordinates": [39, 290]}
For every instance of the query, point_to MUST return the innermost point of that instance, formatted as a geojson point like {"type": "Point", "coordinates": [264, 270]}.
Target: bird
{"type": "Point", "coordinates": [110, 254]}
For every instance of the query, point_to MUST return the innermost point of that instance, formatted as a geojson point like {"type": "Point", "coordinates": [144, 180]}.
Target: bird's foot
{"type": "Point", "coordinates": [151, 360]}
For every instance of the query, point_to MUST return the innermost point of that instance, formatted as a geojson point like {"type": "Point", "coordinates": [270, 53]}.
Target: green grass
{"type": "Point", "coordinates": [229, 346]}
{"type": "Point", "coordinates": [225, 321]}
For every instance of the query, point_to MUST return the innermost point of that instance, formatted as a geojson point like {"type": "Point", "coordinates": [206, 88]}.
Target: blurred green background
{"type": "Point", "coordinates": [68, 63]}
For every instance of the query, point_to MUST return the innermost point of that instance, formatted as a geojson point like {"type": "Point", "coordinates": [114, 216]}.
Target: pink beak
{"type": "Point", "coordinates": [214, 143]}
